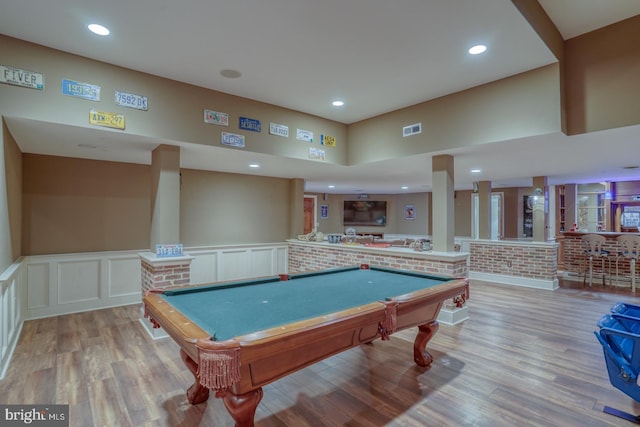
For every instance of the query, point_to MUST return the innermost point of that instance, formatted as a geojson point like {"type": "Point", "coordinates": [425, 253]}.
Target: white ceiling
{"type": "Point", "coordinates": [375, 55]}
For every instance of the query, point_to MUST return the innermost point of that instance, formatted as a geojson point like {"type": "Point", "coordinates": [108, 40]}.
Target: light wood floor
{"type": "Point", "coordinates": [525, 358]}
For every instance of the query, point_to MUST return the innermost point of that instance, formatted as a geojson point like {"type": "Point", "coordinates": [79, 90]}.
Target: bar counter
{"type": "Point", "coordinates": [573, 251]}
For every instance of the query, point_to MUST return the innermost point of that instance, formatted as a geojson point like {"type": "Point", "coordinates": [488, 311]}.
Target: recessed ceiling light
{"type": "Point", "coordinates": [476, 170]}
{"type": "Point", "coordinates": [337, 103]}
{"type": "Point", "coordinates": [230, 74]}
{"type": "Point", "coordinates": [331, 186]}
{"type": "Point", "coordinates": [404, 187]}
{"type": "Point", "coordinates": [477, 49]}
{"type": "Point", "coordinates": [98, 29]}
{"type": "Point", "coordinates": [254, 165]}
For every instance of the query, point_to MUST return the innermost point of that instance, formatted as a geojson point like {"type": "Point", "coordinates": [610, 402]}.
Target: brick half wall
{"type": "Point", "coordinates": [321, 256]}
{"type": "Point", "coordinates": [520, 263]}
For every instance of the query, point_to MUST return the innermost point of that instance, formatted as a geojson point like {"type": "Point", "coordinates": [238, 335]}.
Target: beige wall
{"type": "Point", "coordinates": [10, 199]}
{"type": "Point", "coordinates": [462, 206]}
{"type": "Point", "coordinates": [222, 208]}
{"type": "Point", "coordinates": [512, 212]}
{"type": "Point", "coordinates": [13, 169]}
{"type": "Point", "coordinates": [422, 212]}
{"type": "Point", "coordinates": [396, 224]}
{"type": "Point", "coordinates": [602, 69]}
{"type": "Point", "coordinates": [523, 105]}
{"type": "Point", "coordinates": [537, 17]}
{"type": "Point", "coordinates": [73, 205]}
{"type": "Point", "coordinates": [175, 110]}
{"type": "Point", "coordinates": [512, 206]}
{"type": "Point", "coordinates": [332, 224]}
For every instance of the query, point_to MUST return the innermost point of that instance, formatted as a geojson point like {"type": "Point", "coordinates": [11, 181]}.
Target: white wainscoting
{"type": "Point", "coordinates": [221, 263]}
{"type": "Point", "coordinates": [10, 312]}
{"type": "Point", "coordinates": [70, 283]}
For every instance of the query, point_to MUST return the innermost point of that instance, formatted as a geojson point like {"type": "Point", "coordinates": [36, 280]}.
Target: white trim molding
{"type": "Point", "coordinates": [11, 319]}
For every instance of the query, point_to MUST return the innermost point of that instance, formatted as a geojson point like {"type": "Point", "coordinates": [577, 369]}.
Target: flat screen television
{"type": "Point", "coordinates": [365, 212]}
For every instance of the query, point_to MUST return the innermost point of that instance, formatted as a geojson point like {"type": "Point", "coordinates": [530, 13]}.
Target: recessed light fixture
{"type": "Point", "coordinates": [477, 49]}
{"type": "Point", "coordinates": [254, 165]}
{"type": "Point", "coordinates": [337, 103]}
{"type": "Point", "coordinates": [230, 74]}
{"type": "Point", "coordinates": [98, 29]}
{"type": "Point", "coordinates": [404, 187]}
{"type": "Point", "coordinates": [476, 170]}
{"type": "Point", "coordinates": [331, 186]}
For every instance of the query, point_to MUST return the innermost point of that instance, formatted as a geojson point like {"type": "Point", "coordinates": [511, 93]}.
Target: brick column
{"type": "Point", "coordinates": [160, 273]}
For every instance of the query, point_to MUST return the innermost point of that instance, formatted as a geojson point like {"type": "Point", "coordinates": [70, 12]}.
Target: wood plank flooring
{"type": "Point", "coordinates": [526, 357]}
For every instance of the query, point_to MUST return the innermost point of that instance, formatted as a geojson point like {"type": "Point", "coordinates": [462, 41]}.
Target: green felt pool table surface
{"type": "Point", "coordinates": [242, 307]}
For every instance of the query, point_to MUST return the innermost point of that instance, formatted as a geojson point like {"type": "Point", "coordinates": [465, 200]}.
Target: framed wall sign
{"type": "Point", "coordinates": [409, 212]}
{"type": "Point", "coordinates": [324, 211]}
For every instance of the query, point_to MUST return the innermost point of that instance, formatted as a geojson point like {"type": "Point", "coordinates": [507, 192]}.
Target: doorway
{"type": "Point", "coordinates": [497, 216]}
{"type": "Point", "coordinates": [310, 214]}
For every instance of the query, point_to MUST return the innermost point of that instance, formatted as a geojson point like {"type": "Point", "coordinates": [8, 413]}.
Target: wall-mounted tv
{"type": "Point", "coordinates": [365, 212]}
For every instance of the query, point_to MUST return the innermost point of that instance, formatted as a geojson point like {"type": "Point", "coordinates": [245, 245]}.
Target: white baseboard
{"type": "Point", "coordinates": [10, 349]}
{"type": "Point", "coordinates": [154, 333]}
{"type": "Point", "coordinates": [453, 316]}
{"type": "Point", "coordinates": [515, 281]}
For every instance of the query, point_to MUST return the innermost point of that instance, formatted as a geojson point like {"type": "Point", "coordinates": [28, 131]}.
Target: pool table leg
{"type": "Point", "coordinates": [242, 407]}
{"type": "Point", "coordinates": [197, 393]}
{"type": "Point", "coordinates": [425, 332]}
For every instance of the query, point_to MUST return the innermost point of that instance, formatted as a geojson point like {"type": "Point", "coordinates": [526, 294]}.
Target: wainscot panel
{"type": "Point", "coordinates": [237, 262]}
{"type": "Point", "coordinates": [70, 283]}
{"type": "Point", "coordinates": [11, 281]}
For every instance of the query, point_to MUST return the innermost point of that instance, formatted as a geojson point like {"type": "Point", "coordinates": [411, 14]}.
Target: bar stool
{"type": "Point", "coordinates": [593, 244]}
{"type": "Point", "coordinates": [629, 245]}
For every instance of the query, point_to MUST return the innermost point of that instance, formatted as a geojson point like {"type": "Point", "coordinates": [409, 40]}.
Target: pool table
{"type": "Point", "coordinates": [236, 337]}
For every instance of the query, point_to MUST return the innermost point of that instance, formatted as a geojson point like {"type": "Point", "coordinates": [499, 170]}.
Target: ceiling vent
{"type": "Point", "coordinates": [412, 129]}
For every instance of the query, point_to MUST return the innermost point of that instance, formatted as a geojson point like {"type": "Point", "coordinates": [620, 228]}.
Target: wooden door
{"type": "Point", "coordinates": [309, 214]}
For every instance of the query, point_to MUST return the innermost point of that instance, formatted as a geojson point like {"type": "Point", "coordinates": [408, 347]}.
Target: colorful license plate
{"type": "Point", "coordinates": [131, 100]}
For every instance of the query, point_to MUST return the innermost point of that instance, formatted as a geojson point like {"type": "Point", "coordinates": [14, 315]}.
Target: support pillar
{"type": "Point", "coordinates": [165, 196]}
{"type": "Point", "coordinates": [296, 221]}
{"type": "Point", "coordinates": [484, 209]}
{"type": "Point", "coordinates": [540, 209]}
{"type": "Point", "coordinates": [443, 203]}
{"type": "Point", "coordinates": [162, 272]}
{"type": "Point", "coordinates": [159, 273]}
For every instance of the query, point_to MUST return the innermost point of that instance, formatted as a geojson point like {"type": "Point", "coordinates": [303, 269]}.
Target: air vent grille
{"type": "Point", "coordinates": [412, 129]}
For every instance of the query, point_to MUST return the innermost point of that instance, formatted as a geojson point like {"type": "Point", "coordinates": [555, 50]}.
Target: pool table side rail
{"type": "Point", "coordinates": [187, 289]}
{"type": "Point", "coordinates": [411, 273]}
{"type": "Point", "coordinates": [178, 326]}
{"type": "Point", "coordinates": [367, 267]}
